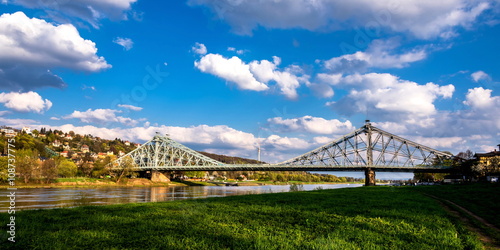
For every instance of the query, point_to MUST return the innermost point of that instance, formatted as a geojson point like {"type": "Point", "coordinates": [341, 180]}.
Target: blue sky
{"type": "Point", "coordinates": [225, 76]}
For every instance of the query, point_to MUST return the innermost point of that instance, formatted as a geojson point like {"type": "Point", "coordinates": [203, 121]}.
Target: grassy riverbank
{"type": "Point", "coordinates": [358, 218]}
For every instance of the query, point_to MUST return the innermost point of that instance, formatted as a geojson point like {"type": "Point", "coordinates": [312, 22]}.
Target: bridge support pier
{"type": "Point", "coordinates": [157, 176]}
{"type": "Point", "coordinates": [369, 177]}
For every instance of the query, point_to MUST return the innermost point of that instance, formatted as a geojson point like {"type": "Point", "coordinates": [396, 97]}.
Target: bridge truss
{"type": "Point", "coordinates": [366, 149]}
{"type": "Point", "coordinates": [162, 152]}
{"type": "Point", "coordinates": [369, 146]}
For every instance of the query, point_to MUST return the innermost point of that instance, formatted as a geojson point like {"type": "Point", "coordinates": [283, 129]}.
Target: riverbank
{"type": "Point", "coordinates": [360, 218]}
{"type": "Point", "coordinates": [141, 182]}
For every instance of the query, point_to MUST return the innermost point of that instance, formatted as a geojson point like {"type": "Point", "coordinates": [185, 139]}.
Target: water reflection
{"type": "Point", "coordinates": [39, 198]}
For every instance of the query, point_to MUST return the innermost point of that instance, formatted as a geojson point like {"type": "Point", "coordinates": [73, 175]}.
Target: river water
{"type": "Point", "coordinates": [44, 198]}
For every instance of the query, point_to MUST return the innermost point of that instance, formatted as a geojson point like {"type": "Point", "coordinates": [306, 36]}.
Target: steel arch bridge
{"type": "Point", "coordinates": [366, 149]}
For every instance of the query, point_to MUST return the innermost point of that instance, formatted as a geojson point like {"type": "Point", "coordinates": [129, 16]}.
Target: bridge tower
{"type": "Point", "coordinates": [369, 172]}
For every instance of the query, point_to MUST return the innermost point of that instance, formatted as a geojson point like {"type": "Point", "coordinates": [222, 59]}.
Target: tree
{"type": "Point", "coordinates": [4, 169]}
{"type": "Point", "coordinates": [66, 168]}
{"type": "Point", "coordinates": [467, 155]}
{"type": "Point", "coordinates": [26, 164]}
{"type": "Point", "coordinates": [49, 170]}
{"type": "Point", "coordinates": [101, 167]}
{"type": "Point", "coordinates": [126, 168]}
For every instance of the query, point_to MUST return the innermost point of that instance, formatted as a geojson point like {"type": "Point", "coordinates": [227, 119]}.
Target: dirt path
{"type": "Point", "coordinates": [455, 210]}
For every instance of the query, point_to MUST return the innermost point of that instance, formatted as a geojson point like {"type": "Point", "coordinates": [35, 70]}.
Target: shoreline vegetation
{"type": "Point", "coordinates": [380, 217]}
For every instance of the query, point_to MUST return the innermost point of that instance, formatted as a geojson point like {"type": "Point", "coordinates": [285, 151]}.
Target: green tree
{"type": "Point", "coordinates": [195, 174]}
{"type": "Point", "coordinates": [49, 170]}
{"type": "Point", "coordinates": [4, 174]}
{"type": "Point", "coordinates": [66, 168]}
{"type": "Point", "coordinates": [101, 167]}
{"type": "Point", "coordinates": [24, 141]}
{"type": "Point", "coordinates": [126, 168]}
{"type": "Point", "coordinates": [26, 164]}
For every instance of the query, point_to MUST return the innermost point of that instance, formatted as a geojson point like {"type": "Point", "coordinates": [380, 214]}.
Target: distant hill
{"type": "Point", "coordinates": [231, 159]}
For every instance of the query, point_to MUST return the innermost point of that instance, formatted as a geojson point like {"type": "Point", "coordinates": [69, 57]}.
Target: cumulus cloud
{"type": "Point", "coordinates": [126, 43]}
{"type": "Point", "coordinates": [479, 98]}
{"type": "Point", "coordinates": [378, 55]}
{"type": "Point", "coordinates": [131, 107]}
{"type": "Point", "coordinates": [101, 116]}
{"type": "Point", "coordinates": [480, 75]}
{"type": "Point", "coordinates": [31, 47]}
{"type": "Point", "coordinates": [310, 124]}
{"type": "Point", "coordinates": [423, 19]}
{"type": "Point", "coordinates": [388, 97]}
{"type": "Point", "coordinates": [199, 48]}
{"type": "Point", "coordinates": [255, 75]}
{"type": "Point", "coordinates": [232, 69]}
{"type": "Point", "coordinates": [76, 11]}
{"type": "Point", "coordinates": [25, 102]}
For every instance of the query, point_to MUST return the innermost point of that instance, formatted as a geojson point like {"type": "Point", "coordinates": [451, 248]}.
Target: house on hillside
{"type": "Point", "coordinates": [127, 143]}
{"type": "Point", "coordinates": [56, 143]}
{"type": "Point", "coordinates": [84, 148]}
{"type": "Point", "coordinates": [64, 153]}
{"type": "Point", "coordinates": [68, 137]}
{"type": "Point", "coordinates": [9, 132]}
{"type": "Point", "coordinates": [27, 130]}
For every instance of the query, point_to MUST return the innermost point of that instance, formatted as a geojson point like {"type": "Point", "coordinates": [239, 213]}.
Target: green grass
{"type": "Point", "coordinates": [480, 199]}
{"type": "Point", "coordinates": [357, 218]}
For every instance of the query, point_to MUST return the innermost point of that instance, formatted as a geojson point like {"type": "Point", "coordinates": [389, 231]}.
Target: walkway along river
{"type": "Point", "coordinates": [44, 198]}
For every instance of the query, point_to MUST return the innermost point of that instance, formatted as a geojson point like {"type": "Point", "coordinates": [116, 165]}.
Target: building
{"type": "Point", "coordinates": [56, 143]}
{"type": "Point", "coordinates": [64, 153]}
{"type": "Point", "coordinates": [127, 143]}
{"type": "Point", "coordinates": [8, 132]}
{"type": "Point", "coordinates": [85, 148]}
{"type": "Point", "coordinates": [27, 130]}
{"type": "Point", "coordinates": [486, 158]}
{"type": "Point", "coordinates": [69, 137]}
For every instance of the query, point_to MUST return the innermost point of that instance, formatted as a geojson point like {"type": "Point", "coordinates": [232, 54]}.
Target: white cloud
{"type": "Point", "coordinates": [255, 75]}
{"type": "Point", "coordinates": [238, 51]}
{"type": "Point", "coordinates": [481, 98]}
{"type": "Point", "coordinates": [438, 142]}
{"type": "Point", "coordinates": [31, 47]}
{"type": "Point", "coordinates": [101, 116]}
{"type": "Point", "coordinates": [76, 10]}
{"type": "Point", "coordinates": [388, 97]}
{"type": "Point", "coordinates": [126, 43]}
{"type": "Point", "coordinates": [285, 143]}
{"type": "Point", "coordinates": [423, 19]}
{"type": "Point", "coordinates": [309, 124]}
{"type": "Point", "coordinates": [378, 55]}
{"type": "Point", "coordinates": [232, 69]}
{"type": "Point", "coordinates": [199, 48]}
{"type": "Point", "coordinates": [480, 75]}
{"type": "Point", "coordinates": [131, 107]}
{"type": "Point", "coordinates": [25, 102]}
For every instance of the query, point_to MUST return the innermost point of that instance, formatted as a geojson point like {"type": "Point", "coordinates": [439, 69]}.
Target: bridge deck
{"type": "Point", "coordinates": [273, 167]}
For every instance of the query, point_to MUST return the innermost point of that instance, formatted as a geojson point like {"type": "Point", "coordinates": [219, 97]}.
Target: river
{"type": "Point", "coordinates": [45, 198]}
